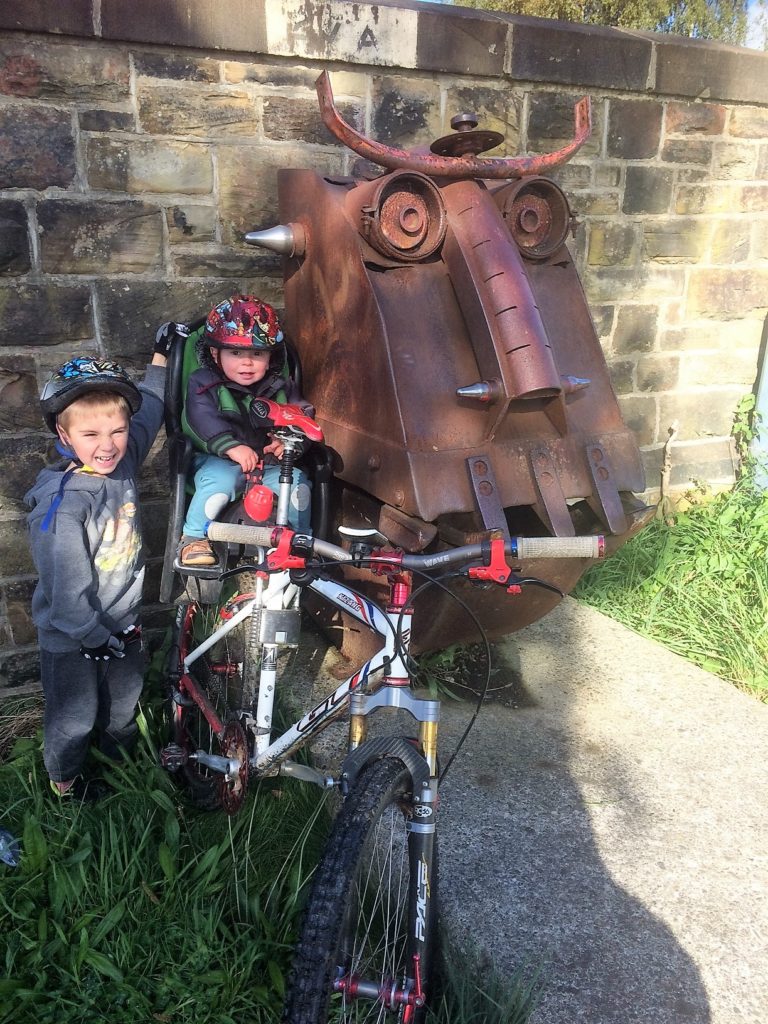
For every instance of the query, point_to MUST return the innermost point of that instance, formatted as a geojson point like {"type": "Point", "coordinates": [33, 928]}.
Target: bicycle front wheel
{"type": "Point", "coordinates": [365, 950]}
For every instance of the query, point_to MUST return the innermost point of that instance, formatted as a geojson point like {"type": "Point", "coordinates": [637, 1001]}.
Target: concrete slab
{"type": "Point", "coordinates": [613, 828]}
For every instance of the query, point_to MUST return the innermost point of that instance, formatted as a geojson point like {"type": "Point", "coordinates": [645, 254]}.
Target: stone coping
{"type": "Point", "coordinates": [419, 36]}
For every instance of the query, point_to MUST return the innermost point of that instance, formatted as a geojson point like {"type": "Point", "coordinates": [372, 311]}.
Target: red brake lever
{"type": "Point", "coordinates": [281, 557]}
{"type": "Point", "coordinates": [497, 571]}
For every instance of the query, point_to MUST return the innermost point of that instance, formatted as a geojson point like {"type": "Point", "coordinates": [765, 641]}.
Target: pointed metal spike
{"type": "Point", "coordinates": [286, 239]}
{"type": "Point", "coordinates": [571, 384]}
{"type": "Point", "coordinates": [482, 391]}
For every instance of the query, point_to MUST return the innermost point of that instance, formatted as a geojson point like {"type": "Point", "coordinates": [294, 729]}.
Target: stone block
{"type": "Point", "coordinates": [735, 160]}
{"type": "Point", "coordinates": [107, 120]}
{"type": "Point", "coordinates": [460, 41]}
{"type": "Point", "coordinates": [635, 329]}
{"type": "Point", "coordinates": [591, 203]}
{"type": "Point", "coordinates": [607, 176]}
{"type": "Point", "coordinates": [153, 490]}
{"type": "Point", "coordinates": [18, 600]}
{"type": "Point", "coordinates": [759, 245]}
{"type": "Point", "coordinates": [708, 335]}
{"type": "Point", "coordinates": [762, 163]}
{"type": "Point", "coordinates": [291, 119]}
{"type": "Point", "coordinates": [612, 244]}
{"type": "Point", "coordinates": [551, 123]}
{"type": "Point", "coordinates": [20, 671]}
{"type": "Point", "coordinates": [730, 241]}
{"type": "Point", "coordinates": [337, 31]}
{"type": "Point", "coordinates": [622, 375]}
{"type": "Point", "coordinates": [689, 67]}
{"type": "Point", "coordinates": [634, 129]}
{"type": "Point", "coordinates": [714, 461]}
{"type": "Point", "coordinates": [639, 414]}
{"type": "Point", "coordinates": [496, 110]}
{"type": "Point", "coordinates": [21, 459]}
{"type": "Point", "coordinates": [658, 373]}
{"type": "Point", "coordinates": [691, 174]}
{"type": "Point", "coordinates": [687, 151]}
{"type": "Point", "coordinates": [728, 293]}
{"type": "Point", "coordinates": [722, 198]}
{"type": "Point", "coordinates": [190, 223]}
{"type": "Point", "coordinates": [220, 262]}
{"type": "Point", "coordinates": [602, 318]}
{"type": "Point", "coordinates": [96, 237]}
{"type": "Point", "coordinates": [154, 166]}
{"type": "Point", "coordinates": [551, 51]}
{"type": "Point", "coordinates": [748, 123]}
{"type": "Point", "coordinates": [647, 190]}
{"type": "Point", "coordinates": [14, 240]}
{"type": "Point", "coordinates": [182, 67]}
{"type": "Point", "coordinates": [50, 314]}
{"type": "Point", "coordinates": [248, 183]}
{"type": "Point", "coordinates": [695, 119]}
{"type": "Point", "coordinates": [15, 556]}
{"type": "Point", "coordinates": [674, 239]}
{"type": "Point", "coordinates": [229, 25]}
{"type": "Point", "coordinates": [19, 409]}
{"type": "Point", "coordinates": [648, 282]}
{"type": "Point", "coordinates": [700, 414]}
{"type": "Point", "coordinates": [572, 176]}
{"type": "Point", "coordinates": [192, 109]}
{"type": "Point", "coordinates": [131, 311]}
{"type": "Point", "coordinates": [74, 18]}
{"type": "Point", "coordinates": [406, 111]}
{"type": "Point", "coordinates": [702, 369]}
{"type": "Point", "coordinates": [38, 149]}
{"type": "Point", "coordinates": [279, 76]}
{"type": "Point", "coordinates": [47, 70]}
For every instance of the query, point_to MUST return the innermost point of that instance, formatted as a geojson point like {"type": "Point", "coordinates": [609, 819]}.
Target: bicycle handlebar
{"type": "Point", "coordinates": [518, 547]}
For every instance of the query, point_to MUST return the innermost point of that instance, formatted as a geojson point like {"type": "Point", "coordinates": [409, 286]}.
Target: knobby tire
{"type": "Point", "coordinates": [367, 847]}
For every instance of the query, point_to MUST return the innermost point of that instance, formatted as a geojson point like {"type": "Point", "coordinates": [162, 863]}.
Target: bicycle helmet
{"type": "Point", "coordinates": [81, 376]}
{"type": "Point", "coordinates": [243, 322]}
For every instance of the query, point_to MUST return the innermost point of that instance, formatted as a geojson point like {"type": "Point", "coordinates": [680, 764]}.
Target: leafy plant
{"type": "Point", "coordinates": [700, 584]}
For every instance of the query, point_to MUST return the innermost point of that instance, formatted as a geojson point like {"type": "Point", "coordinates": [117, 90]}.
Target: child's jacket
{"type": "Point", "coordinates": [216, 410]}
{"type": "Point", "coordinates": [89, 560]}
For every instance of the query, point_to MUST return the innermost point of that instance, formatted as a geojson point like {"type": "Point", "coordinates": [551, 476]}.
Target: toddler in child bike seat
{"type": "Point", "coordinates": [241, 354]}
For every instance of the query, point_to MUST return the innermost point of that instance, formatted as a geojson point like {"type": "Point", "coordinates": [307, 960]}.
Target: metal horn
{"type": "Point", "coordinates": [446, 166]}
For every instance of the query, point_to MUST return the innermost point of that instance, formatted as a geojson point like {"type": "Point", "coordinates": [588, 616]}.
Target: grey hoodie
{"type": "Point", "coordinates": [89, 561]}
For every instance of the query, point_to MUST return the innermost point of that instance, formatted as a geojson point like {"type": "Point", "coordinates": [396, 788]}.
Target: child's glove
{"type": "Point", "coordinates": [167, 336]}
{"type": "Point", "coordinates": [130, 635]}
{"type": "Point", "coordinates": [113, 648]}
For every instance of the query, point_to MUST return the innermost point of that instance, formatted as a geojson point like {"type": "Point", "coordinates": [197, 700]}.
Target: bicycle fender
{"type": "Point", "coordinates": [387, 746]}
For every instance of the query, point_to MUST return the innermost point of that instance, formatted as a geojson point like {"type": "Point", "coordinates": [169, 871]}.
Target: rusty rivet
{"type": "Point", "coordinates": [597, 455]}
{"type": "Point", "coordinates": [481, 468]}
{"type": "Point", "coordinates": [485, 487]}
{"type": "Point", "coordinates": [374, 462]}
{"type": "Point", "coordinates": [399, 497]}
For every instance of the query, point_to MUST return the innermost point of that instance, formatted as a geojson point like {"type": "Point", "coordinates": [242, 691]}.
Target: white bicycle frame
{"type": "Point", "coordinates": [281, 593]}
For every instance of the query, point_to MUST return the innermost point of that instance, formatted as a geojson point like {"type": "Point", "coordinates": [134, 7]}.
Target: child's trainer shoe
{"type": "Point", "coordinates": [196, 551]}
{"type": "Point", "coordinates": [83, 790]}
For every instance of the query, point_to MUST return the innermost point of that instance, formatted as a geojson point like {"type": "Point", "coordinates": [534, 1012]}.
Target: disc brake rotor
{"type": "Point", "coordinates": [232, 788]}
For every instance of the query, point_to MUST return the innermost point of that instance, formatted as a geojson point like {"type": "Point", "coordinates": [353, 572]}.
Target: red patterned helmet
{"type": "Point", "coordinates": [243, 322]}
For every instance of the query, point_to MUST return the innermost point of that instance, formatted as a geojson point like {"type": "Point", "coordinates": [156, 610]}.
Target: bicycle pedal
{"type": "Point", "coordinates": [173, 757]}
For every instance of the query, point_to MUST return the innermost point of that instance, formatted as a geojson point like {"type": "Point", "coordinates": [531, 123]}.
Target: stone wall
{"type": "Point", "coordinates": [141, 140]}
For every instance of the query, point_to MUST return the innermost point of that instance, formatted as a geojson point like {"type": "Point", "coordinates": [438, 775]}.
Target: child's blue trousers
{"type": "Point", "coordinates": [219, 481]}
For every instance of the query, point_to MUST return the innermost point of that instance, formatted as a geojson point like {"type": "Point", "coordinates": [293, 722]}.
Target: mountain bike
{"type": "Point", "coordinates": [367, 945]}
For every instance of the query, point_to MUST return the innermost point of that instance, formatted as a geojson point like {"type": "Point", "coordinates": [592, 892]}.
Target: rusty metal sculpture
{"type": "Point", "coordinates": [448, 348]}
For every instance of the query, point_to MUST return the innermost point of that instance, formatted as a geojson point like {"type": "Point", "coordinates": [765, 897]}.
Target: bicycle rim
{"type": "Point", "coordinates": [354, 941]}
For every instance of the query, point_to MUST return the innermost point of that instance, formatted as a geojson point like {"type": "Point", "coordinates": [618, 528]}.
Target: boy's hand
{"type": "Point", "coordinates": [130, 635]}
{"type": "Point", "coordinates": [244, 456]}
{"type": "Point", "coordinates": [167, 336]}
{"type": "Point", "coordinates": [113, 648]}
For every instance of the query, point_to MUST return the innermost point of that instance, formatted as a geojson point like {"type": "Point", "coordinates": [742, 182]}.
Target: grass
{"type": "Point", "coordinates": [697, 582]}
{"type": "Point", "coordinates": [143, 909]}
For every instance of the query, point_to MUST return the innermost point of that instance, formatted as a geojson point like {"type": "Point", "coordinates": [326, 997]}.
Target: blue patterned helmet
{"type": "Point", "coordinates": [81, 376]}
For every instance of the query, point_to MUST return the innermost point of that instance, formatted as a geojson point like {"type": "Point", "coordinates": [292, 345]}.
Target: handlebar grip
{"type": "Point", "coordinates": [238, 533]}
{"type": "Point", "coordinates": [560, 547]}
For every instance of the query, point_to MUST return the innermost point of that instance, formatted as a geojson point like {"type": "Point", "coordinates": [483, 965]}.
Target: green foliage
{"type": "Point", "coordinates": [725, 20]}
{"type": "Point", "coordinates": [699, 585]}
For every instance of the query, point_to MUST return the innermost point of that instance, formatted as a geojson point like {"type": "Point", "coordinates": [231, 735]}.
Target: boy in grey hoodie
{"type": "Point", "coordinates": [85, 536]}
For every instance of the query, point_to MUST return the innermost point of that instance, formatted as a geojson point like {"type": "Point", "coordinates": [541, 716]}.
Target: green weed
{"type": "Point", "coordinates": [697, 584]}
